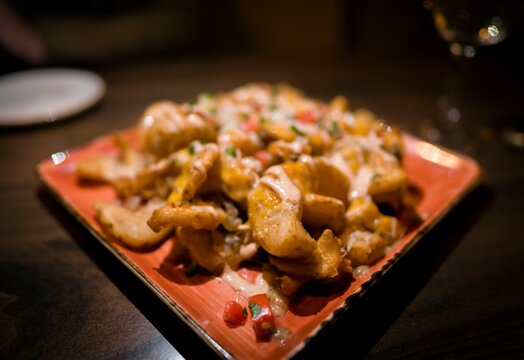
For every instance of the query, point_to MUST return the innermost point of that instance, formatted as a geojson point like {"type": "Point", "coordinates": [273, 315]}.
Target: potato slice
{"type": "Point", "coordinates": [101, 168]}
{"type": "Point", "coordinates": [166, 127]}
{"type": "Point", "coordinates": [275, 211]}
{"type": "Point", "coordinates": [107, 169]}
{"type": "Point", "coordinates": [389, 180]}
{"type": "Point", "coordinates": [323, 211]}
{"type": "Point", "coordinates": [362, 213]}
{"type": "Point", "coordinates": [363, 247]}
{"type": "Point", "coordinates": [278, 131]}
{"type": "Point", "coordinates": [237, 178]}
{"type": "Point", "coordinates": [322, 264]}
{"type": "Point", "coordinates": [317, 175]}
{"type": "Point", "coordinates": [128, 226]}
{"type": "Point", "coordinates": [204, 160]}
{"type": "Point", "coordinates": [195, 216]}
{"type": "Point", "coordinates": [146, 180]}
{"type": "Point", "coordinates": [203, 247]}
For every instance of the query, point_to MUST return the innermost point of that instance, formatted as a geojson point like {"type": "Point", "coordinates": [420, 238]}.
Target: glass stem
{"type": "Point", "coordinates": [449, 105]}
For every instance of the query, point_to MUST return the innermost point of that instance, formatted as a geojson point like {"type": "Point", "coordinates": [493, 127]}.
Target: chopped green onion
{"type": "Point", "coordinates": [262, 120]}
{"type": "Point", "coordinates": [192, 101]}
{"type": "Point", "coordinates": [207, 95]}
{"type": "Point", "coordinates": [296, 130]}
{"type": "Point", "coordinates": [231, 151]}
{"type": "Point", "coordinates": [191, 149]}
{"type": "Point", "coordinates": [255, 309]}
{"type": "Point", "coordinates": [334, 128]}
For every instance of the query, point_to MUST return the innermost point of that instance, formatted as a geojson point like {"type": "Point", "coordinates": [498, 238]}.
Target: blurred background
{"type": "Point", "coordinates": [383, 45]}
{"type": "Point", "coordinates": [60, 32]}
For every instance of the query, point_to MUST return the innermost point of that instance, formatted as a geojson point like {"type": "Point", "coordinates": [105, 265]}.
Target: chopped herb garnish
{"type": "Point", "coordinates": [208, 96]}
{"type": "Point", "coordinates": [244, 311]}
{"type": "Point", "coordinates": [334, 128]}
{"type": "Point", "coordinates": [255, 309]}
{"type": "Point", "coordinates": [191, 149]}
{"type": "Point", "coordinates": [296, 130]}
{"type": "Point", "coordinates": [192, 101]}
{"type": "Point", "coordinates": [191, 270]}
{"type": "Point", "coordinates": [244, 116]}
{"type": "Point", "coordinates": [231, 151]}
{"type": "Point", "coordinates": [262, 120]}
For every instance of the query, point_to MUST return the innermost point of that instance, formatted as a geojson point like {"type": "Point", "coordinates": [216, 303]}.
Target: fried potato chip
{"type": "Point", "coordinates": [194, 216]}
{"type": "Point", "coordinates": [130, 227]}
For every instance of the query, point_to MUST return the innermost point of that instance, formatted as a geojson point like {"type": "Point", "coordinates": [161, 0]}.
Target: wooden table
{"type": "Point", "coordinates": [459, 293]}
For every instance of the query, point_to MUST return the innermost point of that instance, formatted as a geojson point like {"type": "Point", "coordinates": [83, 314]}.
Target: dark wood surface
{"type": "Point", "coordinates": [459, 293]}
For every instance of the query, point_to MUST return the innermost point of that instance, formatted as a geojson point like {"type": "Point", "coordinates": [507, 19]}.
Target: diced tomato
{"type": "Point", "coordinates": [234, 313]}
{"type": "Point", "coordinates": [262, 317]}
{"type": "Point", "coordinates": [251, 124]}
{"type": "Point", "coordinates": [306, 117]}
{"type": "Point", "coordinates": [199, 113]}
{"type": "Point", "coordinates": [264, 157]}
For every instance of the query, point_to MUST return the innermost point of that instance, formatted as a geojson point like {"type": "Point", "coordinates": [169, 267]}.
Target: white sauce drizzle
{"type": "Point", "coordinates": [360, 184]}
{"type": "Point", "coordinates": [195, 120]}
{"type": "Point", "coordinates": [338, 161]}
{"type": "Point", "coordinates": [244, 287]}
{"type": "Point", "coordinates": [298, 145]}
{"type": "Point", "coordinates": [361, 270]}
{"type": "Point", "coordinates": [373, 143]}
{"type": "Point", "coordinates": [277, 179]}
{"type": "Point", "coordinates": [306, 159]}
{"type": "Point", "coordinates": [252, 164]}
{"type": "Point", "coordinates": [348, 119]}
{"type": "Point", "coordinates": [198, 165]}
{"type": "Point", "coordinates": [358, 235]}
{"type": "Point", "coordinates": [280, 117]}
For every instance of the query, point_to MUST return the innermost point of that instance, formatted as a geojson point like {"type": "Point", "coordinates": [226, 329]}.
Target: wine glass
{"type": "Point", "coordinates": [466, 25]}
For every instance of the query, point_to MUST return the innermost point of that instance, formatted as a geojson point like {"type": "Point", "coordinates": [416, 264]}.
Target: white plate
{"type": "Point", "coordinates": [47, 95]}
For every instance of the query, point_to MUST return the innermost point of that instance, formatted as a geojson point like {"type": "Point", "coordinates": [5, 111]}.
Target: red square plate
{"type": "Point", "coordinates": [442, 176]}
